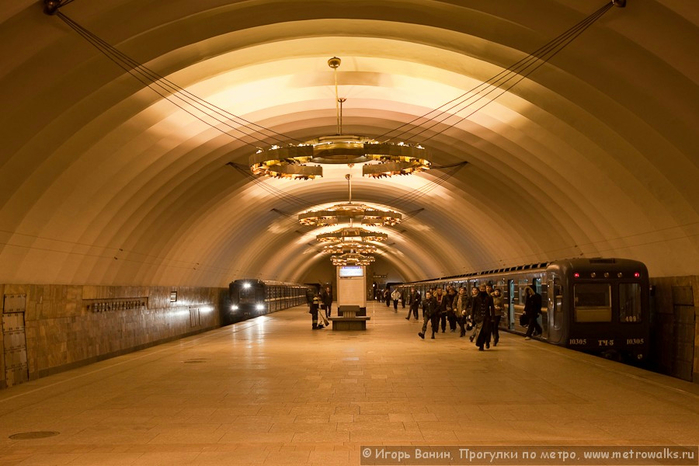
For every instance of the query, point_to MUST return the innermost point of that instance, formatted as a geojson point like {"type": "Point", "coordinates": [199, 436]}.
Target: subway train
{"type": "Point", "coordinates": [599, 305]}
{"type": "Point", "coordinates": [252, 297]}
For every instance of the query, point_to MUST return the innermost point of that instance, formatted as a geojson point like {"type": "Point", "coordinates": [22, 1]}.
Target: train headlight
{"type": "Point", "coordinates": [260, 307]}
{"type": "Point", "coordinates": [234, 307]}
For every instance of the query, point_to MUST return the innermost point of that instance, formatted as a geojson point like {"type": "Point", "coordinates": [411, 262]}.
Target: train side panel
{"type": "Point", "coordinates": [597, 305]}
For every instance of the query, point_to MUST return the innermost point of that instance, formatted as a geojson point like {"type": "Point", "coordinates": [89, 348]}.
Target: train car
{"type": "Point", "coordinates": [252, 297]}
{"type": "Point", "coordinates": [598, 305]}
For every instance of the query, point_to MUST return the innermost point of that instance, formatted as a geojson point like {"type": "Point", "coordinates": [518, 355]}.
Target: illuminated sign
{"type": "Point", "coordinates": [349, 271]}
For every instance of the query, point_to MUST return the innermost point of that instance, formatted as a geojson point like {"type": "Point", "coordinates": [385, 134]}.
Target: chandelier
{"type": "Point", "coordinates": [380, 159]}
{"type": "Point", "coordinates": [351, 259]}
{"type": "Point", "coordinates": [349, 234]}
{"type": "Point", "coordinates": [349, 213]}
{"type": "Point", "coordinates": [352, 246]}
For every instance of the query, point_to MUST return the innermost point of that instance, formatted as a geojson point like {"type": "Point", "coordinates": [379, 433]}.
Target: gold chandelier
{"type": "Point", "coordinates": [349, 234]}
{"type": "Point", "coordinates": [351, 246]}
{"type": "Point", "coordinates": [351, 259]}
{"type": "Point", "coordinates": [380, 159]}
{"type": "Point", "coordinates": [349, 213]}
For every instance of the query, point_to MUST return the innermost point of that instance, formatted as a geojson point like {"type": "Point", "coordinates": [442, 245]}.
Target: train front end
{"type": "Point", "coordinates": [607, 308]}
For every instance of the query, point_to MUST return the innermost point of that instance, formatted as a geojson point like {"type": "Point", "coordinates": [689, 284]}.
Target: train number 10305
{"type": "Point", "coordinates": [635, 341]}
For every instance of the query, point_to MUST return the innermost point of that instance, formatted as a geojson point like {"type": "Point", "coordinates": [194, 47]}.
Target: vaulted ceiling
{"type": "Point", "coordinates": [103, 181]}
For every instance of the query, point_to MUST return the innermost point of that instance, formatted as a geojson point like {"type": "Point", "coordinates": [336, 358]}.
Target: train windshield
{"type": "Point", "coordinates": [247, 294]}
{"type": "Point", "coordinates": [593, 302]}
{"type": "Point", "coordinates": [630, 302]}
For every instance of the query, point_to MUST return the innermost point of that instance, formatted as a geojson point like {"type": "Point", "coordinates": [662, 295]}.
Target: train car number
{"type": "Point", "coordinates": [635, 341]}
{"type": "Point", "coordinates": [605, 342]}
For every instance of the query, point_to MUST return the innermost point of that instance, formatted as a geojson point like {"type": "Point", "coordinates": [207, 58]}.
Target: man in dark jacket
{"type": "Point", "coordinates": [327, 298]}
{"type": "Point", "coordinates": [482, 314]}
{"type": "Point", "coordinates": [413, 302]}
{"type": "Point", "coordinates": [532, 309]}
{"type": "Point", "coordinates": [430, 309]}
{"type": "Point", "coordinates": [443, 305]}
{"type": "Point", "coordinates": [450, 312]}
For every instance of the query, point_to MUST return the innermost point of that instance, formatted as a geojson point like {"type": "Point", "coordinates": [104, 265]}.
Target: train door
{"type": "Point", "coordinates": [542, 290]}
{"type": "Point", "coordinates": [554, 308]}
{"type": "Point", "coordinates": [511, 303]}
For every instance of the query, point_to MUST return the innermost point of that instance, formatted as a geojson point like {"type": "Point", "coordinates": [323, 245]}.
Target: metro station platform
{"type": "Point", "coordinates": [273, 391]}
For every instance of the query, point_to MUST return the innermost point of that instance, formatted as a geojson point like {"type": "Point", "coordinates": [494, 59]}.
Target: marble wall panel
{"type": "Point", "coordinates": [63, 329]}
{"type": "Point", "coordinates": [667, 291]}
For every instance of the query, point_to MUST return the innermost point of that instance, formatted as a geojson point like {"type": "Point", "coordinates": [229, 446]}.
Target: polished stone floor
{"type": "Point", "coordinates": [272, 391]}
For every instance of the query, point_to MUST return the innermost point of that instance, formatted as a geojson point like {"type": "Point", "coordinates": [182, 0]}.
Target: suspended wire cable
{"type": "Point", "coordinates": [189, 102]}
{"type": "Point", "coordinates": [433, 184]}
{"type": "Point", "coordinates": [551, 48]}
{"type": "Point", "coordinates": [151, 77]}
{"type": "Point", "coordinates": [503, 90]}
{"type": "Point", "coordinates": [512, 71]}
{"type": "Point", "coordinates": [277, 193]}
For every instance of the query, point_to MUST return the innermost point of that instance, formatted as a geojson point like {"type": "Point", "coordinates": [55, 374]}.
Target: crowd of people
{"type": "Point", "coordinates": [478, 313]}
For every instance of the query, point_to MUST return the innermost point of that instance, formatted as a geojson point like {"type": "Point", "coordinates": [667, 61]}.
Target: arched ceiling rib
{"type": "Point", "coordinates": [102, 181]}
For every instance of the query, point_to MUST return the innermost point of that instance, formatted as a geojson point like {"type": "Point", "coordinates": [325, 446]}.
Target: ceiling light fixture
{"type": "Point", "coordinates": [350, 212]}
{"type": "Point", "coordinates": [351, 259]}
{"type": "Point", "coordinates": [380, 159]}
{"type": "Point", "coordinates": [350, 234]}
{"type": "Point", "coordinates": [351, 246]}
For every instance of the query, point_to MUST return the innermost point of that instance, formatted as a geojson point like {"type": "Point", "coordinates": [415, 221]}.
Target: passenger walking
{"type": "Point", "coordinates": [387, 297]}
{"type": "Point", "coordinates": [413, 302]}
{"type": "Point", "coordinates": [326, 297]}
{"type": "Point", "coordinates": [532, 309]}
{"type": "Point", "coordinates": [482, 313]}
{"type": "Point", "coordinates": [395, 296]}
{"type": "Point", "coordinates": [450, 313]}
{"type": "Point", "coordinates": [465, 317]}
{"type": "Point", "coordinates": [442, 300]}
{"type": "Point", "coordinates": [431, 314]}
{"type": "Point", "coordinates": [462, 308]}
{"type": "Point", "coordinates": [497, 315]}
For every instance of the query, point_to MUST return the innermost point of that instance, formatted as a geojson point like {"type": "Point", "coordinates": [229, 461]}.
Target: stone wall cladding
{"type": "Point", "coordinates": [64, 330]}
{"type": "Point", "coordinates": [665, 359]}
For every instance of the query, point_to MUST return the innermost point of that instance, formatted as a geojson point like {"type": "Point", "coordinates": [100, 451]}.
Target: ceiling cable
{"type": "Point", "coordinates": [518, 69]}
{"type": "Point", "coordinates": [189, 102]}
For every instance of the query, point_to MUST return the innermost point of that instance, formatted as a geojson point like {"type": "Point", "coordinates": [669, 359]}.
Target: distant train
{"type": "Point", "coordinates": [599, 306]}
{"type": "Point", "coordinates": [252, 297]}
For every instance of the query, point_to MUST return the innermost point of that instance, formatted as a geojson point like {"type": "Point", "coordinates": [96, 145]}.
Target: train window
{"type": "Point", "coordinates": [247, 294]}
{"type": "Point", "coordinates": [593, 302]}
{"type": "Point", "coordinates": [630, 302]}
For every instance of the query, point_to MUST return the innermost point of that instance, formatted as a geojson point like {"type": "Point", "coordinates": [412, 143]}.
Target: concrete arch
{"type": "Point", "coordinates": [104, 182]}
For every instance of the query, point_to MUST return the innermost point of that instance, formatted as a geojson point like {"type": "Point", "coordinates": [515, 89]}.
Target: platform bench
{"type": "Point", "coordinates": [349, 323]}
{"type": "Point", "coordinates": [348, 318]}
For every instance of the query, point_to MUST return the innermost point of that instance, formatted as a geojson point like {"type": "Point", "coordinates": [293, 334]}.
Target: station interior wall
{"type": "Point", "coordinates": [71, 326]}
{"type": "Point", "coordinates": [675, 339]}
{"type": "Point", "coordinates": [64, 329]}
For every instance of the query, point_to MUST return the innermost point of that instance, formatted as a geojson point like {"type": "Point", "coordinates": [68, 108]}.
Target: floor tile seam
{"type": "Point", "coordinates": [130, 358]}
